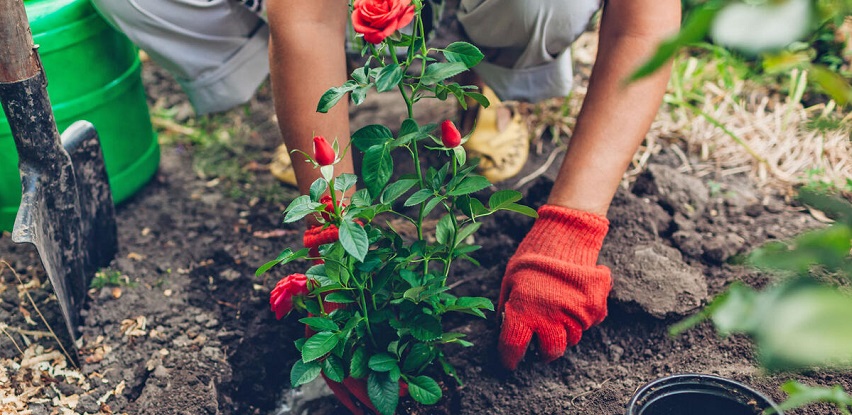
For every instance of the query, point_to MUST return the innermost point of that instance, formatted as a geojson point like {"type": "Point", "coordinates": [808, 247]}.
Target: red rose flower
{"type": "Point", "coordinates": [450, 135]}
{"type": "Point", "coordinates": [323, 153]}
{"type": "Point", "coordinates": [281, 298]}
{"type": "Point", "coordinates": [378, 19]}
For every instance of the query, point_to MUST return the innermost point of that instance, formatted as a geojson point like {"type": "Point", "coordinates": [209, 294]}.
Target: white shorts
{"type": "Point", "coordinates": [217, 49]}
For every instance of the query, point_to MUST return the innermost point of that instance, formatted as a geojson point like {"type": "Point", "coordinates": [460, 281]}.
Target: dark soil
{"type": "Point", "coordinates": [209, 344]}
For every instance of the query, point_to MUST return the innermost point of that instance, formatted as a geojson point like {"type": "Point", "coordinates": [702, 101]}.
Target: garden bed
{"type": "Point", "coordinates": [192, 332]}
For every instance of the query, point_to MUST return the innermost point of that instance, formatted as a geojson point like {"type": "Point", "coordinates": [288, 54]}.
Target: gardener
{"type": "Point", "coordinates": [552, 287]}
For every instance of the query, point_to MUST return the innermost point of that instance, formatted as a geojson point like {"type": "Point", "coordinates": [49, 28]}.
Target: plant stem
{"type": "Point", "coordinates": [333, 194]}
{"type": "Point", "coordinates": [453, 241]}
{"type": "Point", "coordinates": [366, 313]}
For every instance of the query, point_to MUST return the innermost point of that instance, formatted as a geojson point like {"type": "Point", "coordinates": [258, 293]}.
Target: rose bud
{"type": "Point", "coordinates": [329, 207]}
{"type": "Point", "coordinates": [323, 153]}
{"type": "Point", "coordinates": [450, 135]}
{"type": "Point", "coordinates": [378, 19]}
{"type": "Point", "coordinates": [281, 298]}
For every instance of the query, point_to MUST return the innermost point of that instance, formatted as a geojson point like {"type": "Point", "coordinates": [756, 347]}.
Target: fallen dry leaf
{"type": "Point", "coordinates": [134, 327]}
{"type": "Point", "coordinates": [275, 233]}
{"type": "Point", "coordinates": [135, 256]}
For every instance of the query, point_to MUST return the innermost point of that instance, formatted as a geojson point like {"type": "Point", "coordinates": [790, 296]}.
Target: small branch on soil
{"type": "Point", "coordinates": [540, 170]}
{"type": "Point", "coordinates": [574, 399]}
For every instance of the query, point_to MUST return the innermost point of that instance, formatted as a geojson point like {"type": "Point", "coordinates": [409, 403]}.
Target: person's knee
{"type": "Point", "coordinates": [517, 23]}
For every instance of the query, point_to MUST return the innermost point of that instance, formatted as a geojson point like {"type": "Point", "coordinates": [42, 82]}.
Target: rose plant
{"type": "Point", "coordinates": [376, 300]}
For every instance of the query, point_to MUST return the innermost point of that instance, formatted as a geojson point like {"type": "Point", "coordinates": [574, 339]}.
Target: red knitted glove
{"type": "Point", "coordinates": [552, 286]}
{"type": "Point", "coordinates": [318, 235]}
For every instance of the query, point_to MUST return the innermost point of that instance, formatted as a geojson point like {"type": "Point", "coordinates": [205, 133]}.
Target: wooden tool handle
{"type": "Point", "coordinates": [18, 60]}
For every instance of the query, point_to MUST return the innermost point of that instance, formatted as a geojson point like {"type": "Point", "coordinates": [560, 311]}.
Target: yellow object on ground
{"type": "Point", "coordinates": [282, 166]}
{"type": "Point", "coordinates": [500, 138]}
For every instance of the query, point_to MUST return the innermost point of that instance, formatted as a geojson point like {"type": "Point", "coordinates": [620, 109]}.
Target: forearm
{"type": "Point", "coordinates": [307, 57]}
{"type": "Point", "coordinates": [615, 116]}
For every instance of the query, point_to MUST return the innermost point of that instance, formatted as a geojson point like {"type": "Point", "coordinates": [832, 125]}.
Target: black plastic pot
{"type": "Point", "coordinates": [697, 394]}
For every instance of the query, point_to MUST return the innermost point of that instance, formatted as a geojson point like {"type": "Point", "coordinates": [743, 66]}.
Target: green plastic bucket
{"type": "Point", "coordinates": [93, 74]}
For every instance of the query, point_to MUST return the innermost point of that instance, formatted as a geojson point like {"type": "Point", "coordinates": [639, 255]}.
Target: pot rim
{"type": "Point", "coordinates": [710, 384]}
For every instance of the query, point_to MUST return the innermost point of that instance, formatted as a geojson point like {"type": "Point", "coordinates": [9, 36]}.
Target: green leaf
{"type": "Point", "coordinates": [419, 355]}
{"type": "Point", "coordinates": [327, 172]}
{"type": "Point", "coordinates": [437, 72]}
{"type": "Point", "coordinates": [426, 328]}
{"type": "Point", "coordinates": [331, 97]}
{"type": "Point", "coordinates": [472, 305]}
{"type": "Point", "coordinates": [358, 366]}
{"type": "Point", "coordinates": [828, 248]}
{"type": "Point", "coordinates": [286, 256]}
{"type": "Point", "coordinates": [302, 373]}
{"type": "Point", "coordinates": [339, 297]}
{"type": "Point", "coordinates": [524, 210]}
{"type": "Point", "coordinates": [410, 131]}
{"type": "Point", "coordinates": [413, 293]}
{"type": "Point", "coordinates": [835, 207]}
{"type": "Point", "coordinates": [267, 266]}
{"type": "Point", "coordinates": [397, 189]}
{"type": "Point", "coordinates": [735, 310]}
{"type": "Point", "coordinates": [333, 368]}
{"type": "Point", "coordinates": [382, 362]}
{"type": "Point", "coordinates": [388, 78]}
{"type": "Point", "coordinates": [431, 205]}
{"type": "Point", "coordinates": [320, 323]}
{"type": "Point", "coordinates": [361, 198]}
{"type": "Point", "coordinates": [344, 182]}
{"type": "Point", "coordinates": [444, 230]}
{"type": "Point", "coordinates": [469, 185]}
{"type": "Point", "coordinates": [360, 75]}
{"type": "Point", "coordinates": [299, 208]}
{"type": "Point", "coordinates": [834, 84]}
{"type": "Point", "coordinates": [463, 52]}
{"type": "Point", "coordinates": [383, 392]}
{"type": "Point", "coordinates": [419, 197]}
{"type": "Point", "coordinates": [318, 345]}
{"type": "Point", "coordinates": [695, 28]}
{"type": "Point", "coordinates": [376, 168]}
{"type": "Point", "coordinates": [451, 337]}
{"type": "Point", "coordinates": [318, 187]}
{"type": "Point", "coordinates": [409, 126]}
{"type": "Point", "coordinates": [805, 326]}
{"type": "Point", "coordinates": [503, 198]}
{"type": "Point", "coordinates": [424, 389]}
{"type": "Point", "coordinates": [460, 155]}
{"type": "Point", "coordinates": [479, 98]}
{"type": "Point", "coordinates": [467, 231]}
{"type": "Point", "coordinates": [370, 136]}
{"type": "Point", "coordinates": [475, 302]}
{"type": "Point", "coordinates": [800, 395]}
{"type": "Point", "coordinates": [359, 94]}
{"type": "Point", "coordinates": [353, 237]}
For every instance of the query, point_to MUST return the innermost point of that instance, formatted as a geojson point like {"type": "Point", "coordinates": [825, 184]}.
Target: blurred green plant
{"type": "Point", "coordinates": [773, 36]}
{"type": "Point", "coordinates": [804, 320]}
{"type": "Point", "coordinates": [110, 278]}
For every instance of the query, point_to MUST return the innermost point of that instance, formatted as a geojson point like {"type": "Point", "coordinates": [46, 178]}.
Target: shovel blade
{"type": "Point", "coordinates": [99, 242]}
{"type": "Point", "coordinates": [66, 211]}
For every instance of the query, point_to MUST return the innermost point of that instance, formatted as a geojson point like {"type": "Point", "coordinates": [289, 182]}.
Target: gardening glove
{"type": "Point", "coordinates": [552, 287]}
{"type": "Point", "coordinates": [318, 235]}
